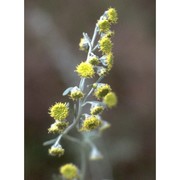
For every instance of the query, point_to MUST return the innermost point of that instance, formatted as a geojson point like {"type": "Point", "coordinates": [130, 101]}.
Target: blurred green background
{"type": "Point", "coordinates": [52, 33]}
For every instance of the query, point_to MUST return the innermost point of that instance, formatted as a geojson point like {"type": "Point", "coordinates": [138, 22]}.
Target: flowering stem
{"type": "Point", "coordinates": [88, 125]}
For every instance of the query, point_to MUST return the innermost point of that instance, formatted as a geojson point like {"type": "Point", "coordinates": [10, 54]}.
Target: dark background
{"type": "Point", "coordinates": [53, 29]}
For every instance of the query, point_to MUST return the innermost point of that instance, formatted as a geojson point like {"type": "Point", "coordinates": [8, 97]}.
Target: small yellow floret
{"type": "Point", "coordinates": [112, 15]}
{"type": "Point", "coordinates": [102, 71]}
{"type": "Point", "coordinates": [96, 110]}
{"type": "Point", "coordinates": [109, 61]}
{"type": "Point", "coordinates": [103, 25]}
{"type": "Point", "coordinates": [109, 34]}
{"type": "Point", "coordinates": [69, 171]}
{"type": "Point", "coordinates": [85, 70]}
{"type": "Point", "coordinates": [90, 123]}
{"type": "Point", "coordinates": [105, 45]}
{"type": "Point", "coordinates": [110, 99]}
{"type": "Point", "coordinates": [58, 127]}
{"type": "Point", "coordinates": [75, 95]}
{"type": "Point", "coordinates": [59, 111]}
{"type": "Point", "coordinates": [56, 151]}
{"type": "Point", "coordinates": [102, 91]}
{"type": "Point", "coordinates": [93, 60]}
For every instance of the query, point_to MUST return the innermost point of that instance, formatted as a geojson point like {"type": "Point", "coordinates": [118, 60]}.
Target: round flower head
{"type": "Point", "coordinates": [97, 109]}
{"type": "Point", "coordinates": [102, 90]}
{"type": "Point", "coordinates": [58, 127]}
{"type": "Point", "coordinates": [103, 25]}
{"type": "Point", "coordinates": [93, 60]}
{"type": "Point", "coordinates": [90, 123]}
{"type": "Point", "coordinates": [105, 45]}
{"type": "Point", "coordinates": [76, 94]}
{"type": "Point", "coordinates": [83, 45]}
{"type": "Point", "coordinates": [112, 15]}
{"type": "Point", "coordinates": [56, 151]}
{"type": "Point", "coordinates": [85, 70]}
{"type": "Point", "coordinates": [110, 99]}
{"type": "Point", "coordinates": [69, 171]}
{"type": "Point", "coordinates": [59, 111]}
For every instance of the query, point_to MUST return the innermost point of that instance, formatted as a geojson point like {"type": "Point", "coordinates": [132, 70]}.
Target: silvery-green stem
{"type": "Point", "coordinates": [52, 141]}
{"type": "Point", "coordinates": [83, 161]}
{"type": "Point", "coordinates": [94, 35]}
{"type": "Point", "coordinates": [97, 45]}
{"type": "Point", "coordinates": [100, 78]}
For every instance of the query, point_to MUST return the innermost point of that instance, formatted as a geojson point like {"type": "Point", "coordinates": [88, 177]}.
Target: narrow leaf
{"type": "Point", "coordinates": [67, 91]}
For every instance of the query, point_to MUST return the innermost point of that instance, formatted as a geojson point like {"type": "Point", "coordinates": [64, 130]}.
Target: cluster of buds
{"type": "Point", "coordinates": [98, 64]}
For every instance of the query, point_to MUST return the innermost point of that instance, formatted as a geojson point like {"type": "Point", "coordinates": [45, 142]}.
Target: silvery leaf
{"type": "Point", "coordinates": [67, 91]}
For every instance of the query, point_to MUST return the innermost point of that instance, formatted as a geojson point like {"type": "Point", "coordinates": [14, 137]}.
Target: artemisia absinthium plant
{"type": "Point", "coordinates": [89, 124]}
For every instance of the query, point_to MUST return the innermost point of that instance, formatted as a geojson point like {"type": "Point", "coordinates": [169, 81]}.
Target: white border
{"type": "Point", "coordinates": [12, 89]}
{"type": "Point", "coordinates": [12, 78]}
{"type": "Point", "coordinates": [168, 90]}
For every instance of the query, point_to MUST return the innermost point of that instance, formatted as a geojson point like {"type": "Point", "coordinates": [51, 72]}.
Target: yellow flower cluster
{"type": "Point", "coordinates": [112, 15]}
{"type": "Point", "coordinates": [56, 151]}
{"type": "Point", "coordinates": [96, 109]}
{"type": "Point", "coordinates": [109, 61]}
{"type": "Point", "coordinates": [102, 90]}
{"type": "Point", "coordinates": [76, 94]}
{"type": "Point", "coordinates": [58, 127]}
{"type": "Point", "coordinates": [110, 99]}
{"type": "Point", "coordinates": [104, 25]}
{"type": "Point", "coordinates": [95, 64]}
{"type": "Point", "coordinates": [69, 171]}
{"type": "Point", "coordinates": [59, 111]}
{"type": "Point", "coordinates": [105, 45]}
{"type": "Point", "coordinates": [85, 70]}
{"type": "Point", "coordinates": [91, 123]}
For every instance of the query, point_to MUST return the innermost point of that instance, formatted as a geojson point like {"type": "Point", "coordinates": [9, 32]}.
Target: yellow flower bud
{"type": "Point", "coordinates": [85, 70]}
{"type": "Point", "coordinates": [110, 99]}
{"type": "Point", "coordinates": [102, 91]}
{"type": "Point", "coordinates": [69, 171]}
{"type": "Point", "coordinates": [59, 111]}
{"type": "Point", "coordinates": [103, 25]}
{"type": "Point", "coordinates": [91, 123]}
{"type": "Point", "coordinates": [76, 94]}
{"type": "Point", "coordinates": [105, 45]}
{"type": "Point", "coordinates": [96, 109]}
{"type": "Point", "coordinates": [112, 15]}
{"type": "Point", "coordinates": [56, 151]}
{"type": "Point", "coordinates": [58, 127]}
{"type": "Point", "coordinates": [109, 61]}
